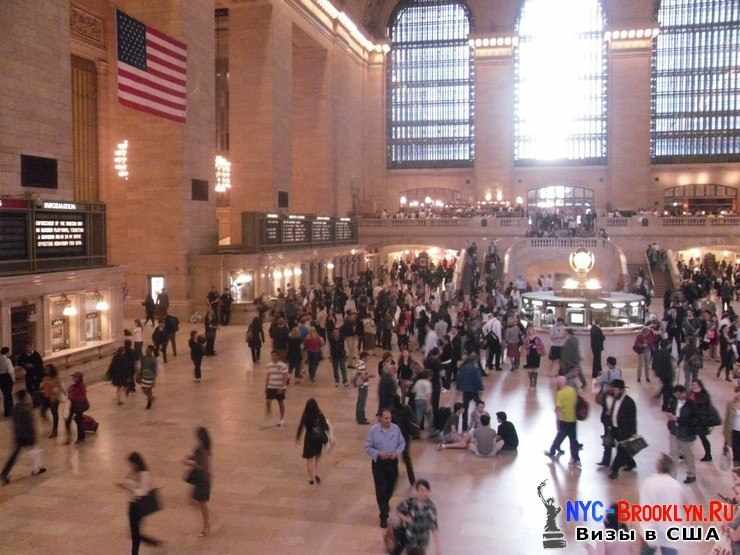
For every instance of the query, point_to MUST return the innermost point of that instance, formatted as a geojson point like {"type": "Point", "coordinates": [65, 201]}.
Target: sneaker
{"type": "Point", "coordinates": [689, 480]}
{"type": "Point", "coordinates": [40, 471]}
{"type": "Point", "coordinates": [551, 455]}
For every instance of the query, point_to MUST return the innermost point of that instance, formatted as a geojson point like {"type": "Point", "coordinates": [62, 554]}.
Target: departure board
{"type": "Point", "coordinates": [295, 230]}
{"type": "Point", "coordinates": [13, 236]}
{"type": "Point", "coordinates": [321, 230]}
{"type": "Point", "coordinates": [262, 231]}
{"type": "Point", "coordinates": [343, 230]}
{"type": "Point", "coordinates": [272, 234]}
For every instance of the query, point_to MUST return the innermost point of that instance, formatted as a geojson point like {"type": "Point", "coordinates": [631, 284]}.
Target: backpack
{"type": "Point", "coordinates": [581, 408]}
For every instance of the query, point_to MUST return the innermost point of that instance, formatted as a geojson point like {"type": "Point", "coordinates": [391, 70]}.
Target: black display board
{"type": "Point", "coordinates": [262, 231]}
{"type": "Point", "coordinates": [343, 230]}
{"type": "Point", "coordinates": [321, 230]}
{"type": "Point", "coordinates": [59, 234]}
{"type": "Point", "coordinates": [272, 234]}
{"type": "Point", "coordinates": [295, 231]}
{"type": "Point", "coordinates": [13, 236]}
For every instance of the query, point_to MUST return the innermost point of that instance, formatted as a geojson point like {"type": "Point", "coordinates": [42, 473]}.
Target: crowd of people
{"type": "Point", "coordinates": [437, 338]}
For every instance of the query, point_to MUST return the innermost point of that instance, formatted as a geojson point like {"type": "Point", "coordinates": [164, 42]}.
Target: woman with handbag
{"type": "Point", "coordinates": [78, 404]}
{"type": "Point", "coordinates": [708, 416]}
{"type": "Point", "coordinates": [144, 500]}
{"type": "Point", "coordinates": [118, 374]}
{"type": "Point", "coordinates": [317, 433]}
{"type": "Point", "coordinates": [199, 476]}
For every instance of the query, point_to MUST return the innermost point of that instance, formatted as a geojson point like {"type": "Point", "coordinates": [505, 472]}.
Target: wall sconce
{"type": "Point", "coordinates": [297, 272]}
{"type": "Point", "coordinates": [288, 273]}
{"type": "Point", "coordinates": [330, 265]}
{"type": "Point", "coordinates": [427, 200]}
{"type": "Point", "coordinates": [488, 196]}
{"type": "Point", "coordinates": [277, 274]}
{"type": "Point", "coordinates": [101, 305]}
{"type": "Point", "coordinates": [223, 174]}
{"type": "Point", "coordinates": [68, 310]}
{"type": "Point", "coordinates": [519, 201]}
{"type": "Point", "coordinates": [404, 201]}
{"type": "Point", "coordinates": [120, 159]}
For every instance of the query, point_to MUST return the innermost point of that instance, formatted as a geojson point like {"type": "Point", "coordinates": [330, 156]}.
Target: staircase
{"type": "Point", "coordinates": [662, 282]}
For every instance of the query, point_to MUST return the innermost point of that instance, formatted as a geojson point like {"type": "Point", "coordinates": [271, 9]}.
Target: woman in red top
{"type": "Point", "coordinates": [312, 345]}
{"type": "Point", "coordinates": [78, 402]}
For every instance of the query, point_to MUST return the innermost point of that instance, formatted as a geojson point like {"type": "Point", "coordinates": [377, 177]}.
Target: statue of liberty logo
{"type": "Point", "coordinates": [552, 537]}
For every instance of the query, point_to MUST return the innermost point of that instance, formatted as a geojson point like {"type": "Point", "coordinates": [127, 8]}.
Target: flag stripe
{"type": "Point", "coordinates": [161, 60]}
{"type": "Point", "coordinates": [136, 99]}
{"type": "Point", "coordinates": [151, 81]}
{"type": "Point", "coordinates": [150, 94]}
{"type": "Point", "coordinates": [158, 35]}
{"type": "Point", "coordinates": [166, 73]}
{"type": "Point", "coordinates": [143, 108]}
{"type": "Point", "coordinates": [151, 44]}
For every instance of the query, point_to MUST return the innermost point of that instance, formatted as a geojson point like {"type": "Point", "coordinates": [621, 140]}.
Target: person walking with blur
{"type": "Point", "coordinates": [316, 431]}
{"type": "Point", "coordinates": [78, 405]}
{"type": "Point", "coordinates": [148, 376]}
{"type": "Point", "coordinates": [276, 382]}
{"type": "Point", "coordinates": [142, 502]}
{"type": "Point", "coordinates": [24, 434]}
{"type": "Point", "coordinates": [312, 344]}
{"type": "Point", "coordinates": [51, 391]}
{"type": "Point", "coordinates": [255, 338]}
{"type": "Point", "coordinates": [418, 522]}
{"type": "Point", "coordinates": [199, 476]}
{"type": "Point", "coordinates": [118, 373]}
{"type": "Point", "coordinates": [731, 428]}
{"type": "Point", "coordinates": [197, 352]}
{"type": "Point", "coordinates": [7, 380]}
{"type": "Point", "coordinates": [565, 411]}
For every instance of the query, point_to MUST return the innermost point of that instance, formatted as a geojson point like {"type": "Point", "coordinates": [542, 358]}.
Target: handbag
{"type": "Point", "coordinates": [150, 503]}
{"type": "Point", "coordinates": [607, 440]}
{"type": "Point", "coordinates": [633, 445]}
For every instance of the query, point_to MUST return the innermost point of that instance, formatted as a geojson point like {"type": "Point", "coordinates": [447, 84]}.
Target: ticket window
{"type": "Point", "coordinates": [59, 324]}
{"type": "Point", "coordinates": [93, 318]}
{"type": "Point", "coordinates": [155, 285]}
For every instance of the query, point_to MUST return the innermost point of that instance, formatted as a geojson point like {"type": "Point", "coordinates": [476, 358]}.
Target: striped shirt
{"type": "Point", "coordinates": [276, 374]}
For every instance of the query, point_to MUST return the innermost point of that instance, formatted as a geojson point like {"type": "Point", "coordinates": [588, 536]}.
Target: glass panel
{"type": "Point", "coordinates": [431, 81]}
{"type": "Point", "coordinates": [560, 82]}
{"type": "Point", "coordinates": [696, 83]}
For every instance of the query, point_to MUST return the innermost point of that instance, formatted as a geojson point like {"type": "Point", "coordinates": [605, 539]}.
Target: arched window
{"type": "Point", "coordinates": [560, 83]}
{"type": "Point", "coordinates": [430, 86]}
{"type": "Point", "coordinates": [696, 82]}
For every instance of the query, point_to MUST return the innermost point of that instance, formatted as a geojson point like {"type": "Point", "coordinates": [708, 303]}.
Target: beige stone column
{"type": "Point", "coordinates": [629, 128]}
{"type": "Point", "coordinates": [155, 224]}
{"type": "Point", "coordinates": [494, 123]}
{"type": "Point", "coordinates": [260, 97]}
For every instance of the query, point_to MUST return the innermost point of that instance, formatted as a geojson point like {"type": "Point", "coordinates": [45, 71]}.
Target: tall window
{"type": "Point", "coordinates": [696, 82]}
{"type": "Point", "coordinates": [85, 130]}
{"type": "Point", "coordinates": [560, 83]}
{"type": "Point", "coordinates": [430, 86]}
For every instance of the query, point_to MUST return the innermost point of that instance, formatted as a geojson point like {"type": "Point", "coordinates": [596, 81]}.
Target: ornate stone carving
{"type": "Point", "coordinates": [86, 26]}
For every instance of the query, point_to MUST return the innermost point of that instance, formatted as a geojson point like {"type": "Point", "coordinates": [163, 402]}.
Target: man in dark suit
{"type": "Point", "coordinates": [622, 425]}
{"type": "Point", "coordinates": [597, 348]}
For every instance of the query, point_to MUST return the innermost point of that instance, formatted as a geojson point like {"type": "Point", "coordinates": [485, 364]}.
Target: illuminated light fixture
{"type": "Point", "coordinates": [479, 42]}
{"type": "Point", "coordinates": [101, 305]}
{"type": "Point", "coordinates": [296, 217]}
{"type": "Point", "coordinates": [471, 43]}
{"type": "Point", "coordinates": [288, 273]}
{"type": "Point", "coordinates": [618, 305]}
{"type": "Point", "coordinates": [486, 42]}
{"type": "Point", "coordinates": [68, 309]}
{"type": "Point", "coordinates": [414, 203]}
{"type": "Point", "coordinates": [427, 200]}
{"type": "Point", "coordinates": [223, 174]}
{"type": "Point", "coordinates": [330, 265]}
{"type": "Point", "coordinates": [624, 34]}
{"type": "Point", "coordinates": [353, 252]}
{"type": "Point", "coordinates": [120, 159]}
{"type": "Point", "coordinates": [329, 8]}
{"type": "Point", "coordinates": [631, 34]}
{"type": "Point", "coordinates": [277, 274]}
{"type": "Point", "coordinates": [582, 261]}
{"type": "Point", "coordinates": [386, 48]}
{"type": "Point", "coordinates": [243, 278]}
{"type": "Point", "coordinates": [575, 305]}
{"type": "Point", "coordinates": [598, 306]}
{"type": "Point", "coordinates": [354, 31]}
{"type": "Point", "coordinates": [570, 283]}
{"type": "Point", "coordinates": [537, 303]}
{"type": "Point", "coordinates": [635, 304]}
{"type": "Point", "coordinates": [404, 200]}
{"type": "Point", "coordinates": [499, 195]}
{"type": "Point", "coordinates": [640, 33]}
{"type": "Point", "coordinates": [593, 284]}
{"type": "Point", "coordinates": [519, 200]}
{"type": "Point", "coordinates": [488, 196]}
{"type": "Point", "coordinates": [439, 203]}
{"type": "Point", "coordinates": [272, 216]}
{"type": "Point", "coordinates": [297, 271]}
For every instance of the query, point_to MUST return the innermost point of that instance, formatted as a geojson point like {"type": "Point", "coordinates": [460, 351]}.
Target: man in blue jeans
{"type": "Point", "coordinates": [565, 409]}
{"type": "Point", "coordinates": [469, 383]}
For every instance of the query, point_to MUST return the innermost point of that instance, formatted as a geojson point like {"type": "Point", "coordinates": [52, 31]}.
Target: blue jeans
{"type": "Point", "coordinates": [566, 429]}
{"type": "Point", "coordinates": [360, 407]}
{"type": "Point", "coordinates": [337, 365]}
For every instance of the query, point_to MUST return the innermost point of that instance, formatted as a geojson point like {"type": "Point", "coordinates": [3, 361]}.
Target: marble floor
{"type": "Point", "coordinates": [261, 501]}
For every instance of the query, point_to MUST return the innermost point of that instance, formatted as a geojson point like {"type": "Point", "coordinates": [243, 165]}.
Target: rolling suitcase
{"type": "Point", "coordinates": [89, 424]}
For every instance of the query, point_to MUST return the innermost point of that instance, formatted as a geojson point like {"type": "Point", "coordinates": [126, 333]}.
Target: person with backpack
{"type": "Point", "coordinates": [24, 433]}
{"type": "Point", "coordinates": [682, 425]}
{"type": "Point", "coordinates": [566, 400]}
{"type": "Point", "coordinates": [317, 432]}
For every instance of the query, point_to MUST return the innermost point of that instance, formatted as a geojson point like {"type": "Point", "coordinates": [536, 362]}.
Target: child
{"type": "Point", "coordinates": [361, 380]}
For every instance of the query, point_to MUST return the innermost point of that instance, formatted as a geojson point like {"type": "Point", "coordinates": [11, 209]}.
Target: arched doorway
{"type": "Point", "coordinates": [561, 199]}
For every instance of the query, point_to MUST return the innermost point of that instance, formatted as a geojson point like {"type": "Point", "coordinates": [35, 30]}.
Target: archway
{"type": "Point", "coordinates": [700, 199]}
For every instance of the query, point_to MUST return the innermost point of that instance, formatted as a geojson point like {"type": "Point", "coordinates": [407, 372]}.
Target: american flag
{"type": "Point", "coordinates": [152, 70]}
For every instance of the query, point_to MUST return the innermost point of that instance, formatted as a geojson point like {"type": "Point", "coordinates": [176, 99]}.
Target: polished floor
{"type": "Point", "coordinates": [261, 500]}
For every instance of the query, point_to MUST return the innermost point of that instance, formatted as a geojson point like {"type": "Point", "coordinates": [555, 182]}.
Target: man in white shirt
{"type": "Point", "coordinates": [661, 489]}
{"type": "Point", "coordinates": [431, 341]}
{"type": "Point", "coordinates": [492, 335]}
{"type": "Point", "coordinates": [7, 379]}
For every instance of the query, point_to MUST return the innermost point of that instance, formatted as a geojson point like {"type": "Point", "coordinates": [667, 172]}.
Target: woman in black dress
{"type": "Point", "coordinates": [118, 373]}
{"type": "Point", "coordinates": [316, 428]}
{"type": "Point", "coordinates": [255, 338]}
{"type": "Point", "coordinates": [199, 475]}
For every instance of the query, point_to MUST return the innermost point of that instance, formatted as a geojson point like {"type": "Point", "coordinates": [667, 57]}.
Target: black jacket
{"type": "Point", "coordinates": [597, 338]}
{"type": "Point", "coordinates": [386, 392]}
{"type": "Point", "coordinates": [626, 420]}
{"type": "Point", "coordinates": [688, 420]}
{"type": "Point", "coordinates": [25, 433]}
